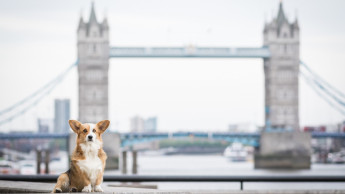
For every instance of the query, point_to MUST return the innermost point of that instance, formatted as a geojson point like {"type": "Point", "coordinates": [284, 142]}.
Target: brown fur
{"type": "Point", "coordinates": [75, 179]}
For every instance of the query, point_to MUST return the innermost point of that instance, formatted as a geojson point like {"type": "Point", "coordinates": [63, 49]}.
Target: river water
{"type": "Point", "coordinates": [219, 165]}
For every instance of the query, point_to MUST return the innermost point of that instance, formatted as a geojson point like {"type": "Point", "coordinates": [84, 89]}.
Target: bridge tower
{"type": "Point", "coordinates": [281, 73]}
{"type": "Point", "coordinates": [93, 56]}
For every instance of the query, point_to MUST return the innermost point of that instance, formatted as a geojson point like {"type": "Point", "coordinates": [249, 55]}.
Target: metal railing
{"type": "Point", "coordinates": [188, 178]}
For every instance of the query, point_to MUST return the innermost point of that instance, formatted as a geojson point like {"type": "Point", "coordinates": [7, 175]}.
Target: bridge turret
{"type": "Point", "coordinates": [281, 73]}
{"type": "Point", "coordinates": [93, 55]}
{"type": "Point", "coordinates": [295, 28]}
{"type": "Point", "coordinates": [81, 28]}
{"type": "Point", "coordinates": [105, 28]}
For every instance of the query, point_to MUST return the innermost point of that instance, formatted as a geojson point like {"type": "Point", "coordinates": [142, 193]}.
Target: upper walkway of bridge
{"type": "Point", "coordinates": [189, 52]}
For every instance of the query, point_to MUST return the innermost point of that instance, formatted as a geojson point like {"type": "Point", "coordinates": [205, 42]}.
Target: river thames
{"type": "Point", "coordinates": [219, 165]}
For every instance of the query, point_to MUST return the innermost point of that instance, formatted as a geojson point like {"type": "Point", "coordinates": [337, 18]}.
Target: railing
{"type": "Point", "coordinates": [169, 178]}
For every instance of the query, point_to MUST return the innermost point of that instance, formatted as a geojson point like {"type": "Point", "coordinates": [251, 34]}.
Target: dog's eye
{"type": "Point", "coordinates": [85, 130]}
{"type": "Point", "coordinates": [94, 130]}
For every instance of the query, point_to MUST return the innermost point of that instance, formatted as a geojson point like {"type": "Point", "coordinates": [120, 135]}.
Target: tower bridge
{"type": "Point", "coordinates": [280, 54]}
{"type": "Point", "coordinates": [281, 63]}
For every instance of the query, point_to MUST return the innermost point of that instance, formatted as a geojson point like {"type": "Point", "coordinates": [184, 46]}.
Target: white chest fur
{"type": "Point", "coordinates": [92, 165]}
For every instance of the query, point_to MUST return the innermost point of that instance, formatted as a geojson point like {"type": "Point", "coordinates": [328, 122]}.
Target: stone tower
{"type": "Point", "coordinates": [93, 56]}
{"type": "Point", "coordinates": [281, 73]}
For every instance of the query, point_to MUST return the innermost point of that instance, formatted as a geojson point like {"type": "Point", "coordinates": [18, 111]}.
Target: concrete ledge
{"type": "Point", "coordinates": [134, 185]}
{"type": "Point", "coordinates": [272, 192]}
{"type": "Point", "coordinates": [34, 187]}
{"type": "Point", "coordinates": [25, 187]}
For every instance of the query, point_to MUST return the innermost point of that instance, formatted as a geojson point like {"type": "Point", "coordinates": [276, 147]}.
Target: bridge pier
{"type": "Point", "coordinates": [287, 149]}
{"type": "Point", "coordinates": [46, 161]}
{"type": "Point", "coordinates": [124, 162]}
{"type": "Point", "coordinates": [38, 160]}
{"type": "Point", "coordinates": [134, 162]}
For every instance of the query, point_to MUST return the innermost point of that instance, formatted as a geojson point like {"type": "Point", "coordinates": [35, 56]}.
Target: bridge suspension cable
{"type": "Point", "coordinates": [32, 104]}
{"type": "Point", "coordinates": [323, 89]}
{"type": "Point", "coordinates": [309, 81]}
{"type": "Point", "coordinates": [39, 95]}
{"type": "Point", "coordinates": [322, 83]}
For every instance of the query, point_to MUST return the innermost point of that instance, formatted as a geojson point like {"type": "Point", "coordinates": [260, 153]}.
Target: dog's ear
{"type": "Point", "coordinates": [75, 125]}
{"type": "Point", "coordinates": [103, 125]}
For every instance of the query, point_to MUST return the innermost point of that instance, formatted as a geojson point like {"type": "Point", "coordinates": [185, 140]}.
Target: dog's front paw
{"type": "Point", "coordinates": [86, 189]}
{"type": "Point", "coordinates": [58, 190]}
{"type": "Point", "coordinates": [73, 190]}
{"type": "Point", "coordinates": [98, 188]}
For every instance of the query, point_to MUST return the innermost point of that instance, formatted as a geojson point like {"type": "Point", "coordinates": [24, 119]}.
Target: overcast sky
{"type": "Point", "coordinates": [38, 40]}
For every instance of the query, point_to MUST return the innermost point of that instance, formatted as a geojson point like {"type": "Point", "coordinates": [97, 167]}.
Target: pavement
{"type": "Point", "coordinates": [34, 187]}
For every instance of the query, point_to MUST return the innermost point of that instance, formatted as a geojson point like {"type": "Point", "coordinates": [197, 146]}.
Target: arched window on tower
{"type": "Point", "coordinates": [94, 48]}
{"type": "Point", "coordinates": [94, 95]}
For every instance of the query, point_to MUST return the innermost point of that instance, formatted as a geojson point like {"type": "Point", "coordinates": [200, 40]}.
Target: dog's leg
{"type": "Point", "coordinates": [62, 184]}
{"type": "Point", "coordinates": [99, 181]}
{"type": "Point", "coordinates": [98, 188]}
{"type": "Point", "coordinates": [75, 184]}
{"type": "Point", "coordinates": [87, 188]}
{"type": "Point", "coordinates": [73, 189]}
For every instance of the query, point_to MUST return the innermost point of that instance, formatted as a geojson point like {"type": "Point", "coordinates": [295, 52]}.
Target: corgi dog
{"type": "Point", "coordinates": [87, 160]}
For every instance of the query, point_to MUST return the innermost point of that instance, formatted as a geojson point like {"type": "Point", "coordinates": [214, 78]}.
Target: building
{"type": "Point", "coordinates": [150, 124]}
{"type": "Point", "coordinates": [93, 64]}
{"type": "Point", "coordinates": [45, 125]}
{"type": "Point", "coordinates": [243, 127]}
{"type": "Point", "coordinates": [281, 73]}
{"type": "Point", "coordinates": [137, 124]}
{"type": "Point", "coordinates": [341, 127]}
{"type": "Point", "coordinates": [62, 115]}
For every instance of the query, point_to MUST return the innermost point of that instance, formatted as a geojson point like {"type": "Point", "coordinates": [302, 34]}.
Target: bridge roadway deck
{"type": "Point", "coordinates": [37, 187]}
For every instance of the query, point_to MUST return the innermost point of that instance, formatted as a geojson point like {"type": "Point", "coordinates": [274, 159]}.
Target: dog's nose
{"type": "Point", "coordinates": [90, 137]}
